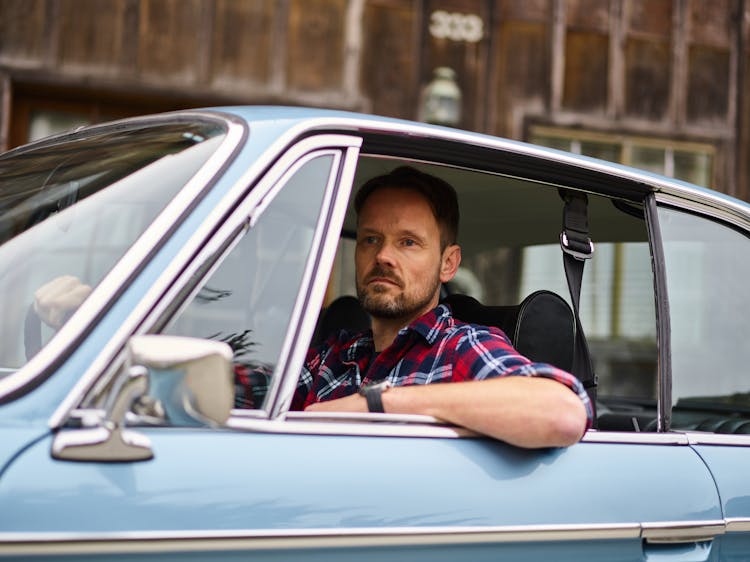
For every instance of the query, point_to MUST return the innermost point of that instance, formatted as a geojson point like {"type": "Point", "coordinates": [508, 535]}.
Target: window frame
{"type": "Point", "coordinates": [627, 143]}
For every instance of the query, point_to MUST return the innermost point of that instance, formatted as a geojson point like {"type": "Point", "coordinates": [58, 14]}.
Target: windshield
{"type": "Point", "coordinates": [70, 210]}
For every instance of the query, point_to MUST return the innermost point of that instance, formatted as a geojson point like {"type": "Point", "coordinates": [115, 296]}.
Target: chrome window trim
{"type": "Point", "coordinates": [709, 208]}
{"type": "Point", "coordinates": [401, 425]}
{"type": "Point", "coordinates": [370, 537]}
{"type": "Point", "coordinates": [251, 209]}
{"type": "Point", "coordinates": [635, 438]}
{"type": "Point", "coordinates": [358, 425]}
{"type": "Point", "coordinates": [149, 239]}
{"type": "Point", "coordinates": [324, 247]}
{"type": "Point", "coordinates": [722, 439]}
{"type": "Point", "coordinates": [176, 274]}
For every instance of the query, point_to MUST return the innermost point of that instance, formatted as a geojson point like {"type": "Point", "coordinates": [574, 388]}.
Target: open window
{"type": "Point", "coordinates": [509, 232]}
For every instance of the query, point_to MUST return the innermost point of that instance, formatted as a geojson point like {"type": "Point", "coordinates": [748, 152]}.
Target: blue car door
{"type": "Point", "coordinates": [275, 484]}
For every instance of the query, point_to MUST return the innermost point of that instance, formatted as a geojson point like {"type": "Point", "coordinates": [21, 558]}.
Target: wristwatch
{"type": "Point", "coordinates": [372, 393]}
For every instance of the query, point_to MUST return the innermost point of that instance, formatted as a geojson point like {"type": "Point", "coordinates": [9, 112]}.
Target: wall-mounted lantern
{"type": "Point", "coordinates": [440, 101]}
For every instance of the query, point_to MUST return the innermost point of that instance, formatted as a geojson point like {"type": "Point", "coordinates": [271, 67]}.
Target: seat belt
{"type": "Point", "coordinates": [577, 247]}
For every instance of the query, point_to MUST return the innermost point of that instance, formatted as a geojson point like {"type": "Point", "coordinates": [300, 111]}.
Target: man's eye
{"type": "Point", "coordinates": [370, 240]}
{"type": "Point", "coordinates": [410, 242]}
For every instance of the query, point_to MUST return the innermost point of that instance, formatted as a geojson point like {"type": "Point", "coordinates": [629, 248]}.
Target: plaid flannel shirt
{"type": "Point", "coordinates": [434, 348]}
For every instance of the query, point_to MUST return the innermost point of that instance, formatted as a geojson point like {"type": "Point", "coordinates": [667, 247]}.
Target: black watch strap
{"type": "Point", "coordinates": [373, 395]}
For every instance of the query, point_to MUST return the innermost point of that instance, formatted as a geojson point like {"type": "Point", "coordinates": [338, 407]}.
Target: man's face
{"type": "Point", "coordinates": [398, 258]}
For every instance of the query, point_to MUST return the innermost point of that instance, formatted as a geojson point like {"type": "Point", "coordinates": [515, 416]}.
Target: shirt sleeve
{"type": "Point", "coordinates": [251, 383]}
{"type": "Point", "coordinates": [316, 356]}
{"type": "Point", "coordinates": [487, 353]}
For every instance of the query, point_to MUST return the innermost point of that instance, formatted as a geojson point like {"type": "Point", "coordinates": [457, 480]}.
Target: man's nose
{"type": "Point", "coordinates": [384, 255]}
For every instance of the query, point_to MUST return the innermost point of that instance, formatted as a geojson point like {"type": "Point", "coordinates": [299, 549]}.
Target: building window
{"type": "Point", "coordinates": [688, 161]}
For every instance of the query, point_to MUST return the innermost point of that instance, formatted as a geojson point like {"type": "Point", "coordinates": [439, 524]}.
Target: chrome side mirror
{"type": "Point", "coordinates": [189, 381]}
{"type": "Point", "coordinates": [192, 379]}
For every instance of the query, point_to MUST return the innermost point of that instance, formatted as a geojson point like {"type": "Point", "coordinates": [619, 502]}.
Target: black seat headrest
{"type": "Point", "coordinates": [541, 327]}
{"type": "Point", "coordinates": [344, 313]}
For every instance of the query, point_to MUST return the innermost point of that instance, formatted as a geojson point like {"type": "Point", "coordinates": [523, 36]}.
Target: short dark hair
{"type": "Point", "coordinates": [439, 194]}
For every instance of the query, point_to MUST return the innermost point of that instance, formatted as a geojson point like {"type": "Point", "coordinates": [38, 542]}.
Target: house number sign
{"type": "Point", "coordinates": [456, 26]}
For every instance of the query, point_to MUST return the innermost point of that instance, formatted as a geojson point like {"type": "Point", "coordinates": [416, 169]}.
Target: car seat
{"type": "Point", "coordinates": [541, 327]}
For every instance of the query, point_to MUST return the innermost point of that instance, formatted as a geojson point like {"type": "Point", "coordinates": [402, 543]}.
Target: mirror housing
{"type": "Point", "coordinates": [191, 378]}
{"type": "Point", "coordinates": [189, 381]}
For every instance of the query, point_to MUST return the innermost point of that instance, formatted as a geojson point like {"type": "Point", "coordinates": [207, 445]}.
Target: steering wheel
{"type": "Point", "coordinates": [32, 332]}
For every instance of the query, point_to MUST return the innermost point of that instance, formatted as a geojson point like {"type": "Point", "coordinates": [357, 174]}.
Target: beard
{"type": "Point", "coordinates": [379, 303]}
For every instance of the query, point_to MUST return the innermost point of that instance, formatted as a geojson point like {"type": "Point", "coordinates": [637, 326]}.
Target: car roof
{"type": "Point", "coordinates": [311, 119]}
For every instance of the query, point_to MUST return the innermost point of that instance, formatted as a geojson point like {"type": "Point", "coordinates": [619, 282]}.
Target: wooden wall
{"type": "Point", "coordinates": [670, 68]}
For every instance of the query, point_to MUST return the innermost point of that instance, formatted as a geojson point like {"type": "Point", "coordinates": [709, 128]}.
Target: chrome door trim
{"type": "Point", "coordinates": [682, 531]}
{"type": "Point", "coordinates": [295, 539]}
{"type": "Point", "coordinates": [738, 524]}
{"type": "Point", "coordinates": [371, 537]}
{"type": "Point", "coordinates": [153, 302]}
{"type": "Point", "coordinates": [149, 239]}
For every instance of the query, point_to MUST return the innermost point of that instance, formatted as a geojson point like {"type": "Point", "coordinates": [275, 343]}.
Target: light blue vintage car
{"type": "Point", "coordinates": [219, 240]}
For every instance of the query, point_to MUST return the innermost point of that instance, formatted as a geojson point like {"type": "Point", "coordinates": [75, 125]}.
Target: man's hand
{"type": "Point", "coordinates": [352, 403]}
{"type": "Point", "coordinates": [56, 300]}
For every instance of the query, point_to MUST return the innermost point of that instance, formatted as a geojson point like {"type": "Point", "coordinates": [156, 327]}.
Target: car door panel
{"type": "Point", "coordinates": [585, 500]}
{"type": "Point", "coordinates": [727, 465]}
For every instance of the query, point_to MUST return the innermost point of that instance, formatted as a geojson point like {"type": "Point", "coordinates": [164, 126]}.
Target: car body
{"type": "Point", "coordinates": [215, 235]}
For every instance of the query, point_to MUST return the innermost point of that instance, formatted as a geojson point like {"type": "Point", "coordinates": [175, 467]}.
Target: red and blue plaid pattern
{"type": "Point", "coordinates": [434, 348]}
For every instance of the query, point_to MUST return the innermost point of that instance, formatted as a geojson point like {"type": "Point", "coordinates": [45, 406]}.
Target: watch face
{"type": "Point", "coordinates": [381, 386]}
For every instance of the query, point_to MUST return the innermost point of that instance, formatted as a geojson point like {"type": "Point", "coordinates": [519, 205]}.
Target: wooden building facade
{"type": "Point", "coordinates": [663, 84]}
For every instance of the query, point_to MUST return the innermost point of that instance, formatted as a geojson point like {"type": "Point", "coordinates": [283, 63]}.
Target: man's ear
{"type": "Point", "coordinates": [450, 262]}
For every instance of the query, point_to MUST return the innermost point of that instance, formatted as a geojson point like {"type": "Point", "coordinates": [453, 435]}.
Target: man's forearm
{"type": "Point", "coordinates": [523, 411]}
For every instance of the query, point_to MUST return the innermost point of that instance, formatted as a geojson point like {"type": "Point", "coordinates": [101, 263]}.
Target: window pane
{"type": "Point", "coordinates": [552, 142]}
{"type": "Point", "coordinates": [694, 167]}
{"type": "Point", "coordinates": [601, 150]}
{"type": "Point", "coordinates": [74, 209]}
{"type": "Point", "coordinates": [248, 300]}
{"type": "Point", "coordinates": [708, 300]}
{"type": "Point", "coordinates": [46, 123]}
{"type": "Point", "coordinates": [647, 158]}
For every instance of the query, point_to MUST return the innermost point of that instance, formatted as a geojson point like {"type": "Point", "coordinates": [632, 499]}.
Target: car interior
{"type": "Point", "coordinates": [512, 277]}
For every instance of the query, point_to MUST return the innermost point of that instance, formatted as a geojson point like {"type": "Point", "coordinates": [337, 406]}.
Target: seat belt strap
{"type": "Point", "coordinates": [577, 248]}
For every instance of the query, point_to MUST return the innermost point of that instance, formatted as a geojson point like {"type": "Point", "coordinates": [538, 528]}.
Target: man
{"type": "Point", "coordinates": [406, 248]}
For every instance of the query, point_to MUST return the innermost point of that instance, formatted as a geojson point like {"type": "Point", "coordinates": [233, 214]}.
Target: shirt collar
{"type": "Point", "coordinates": [430, 324]}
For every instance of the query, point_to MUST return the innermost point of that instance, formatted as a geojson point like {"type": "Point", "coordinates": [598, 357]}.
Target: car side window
{"type": "Point", "coordinates": [248, 300]}
{"type": "Point", "coordinates": [709, 303]}
{"type": "Point", "coordinates": [74, 212]}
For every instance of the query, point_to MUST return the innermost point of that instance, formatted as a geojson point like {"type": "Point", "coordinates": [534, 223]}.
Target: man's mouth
{"type": "Point", "coordinates": [382, 281]}
{"type": "Point", "coordinates": [382, 278]}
